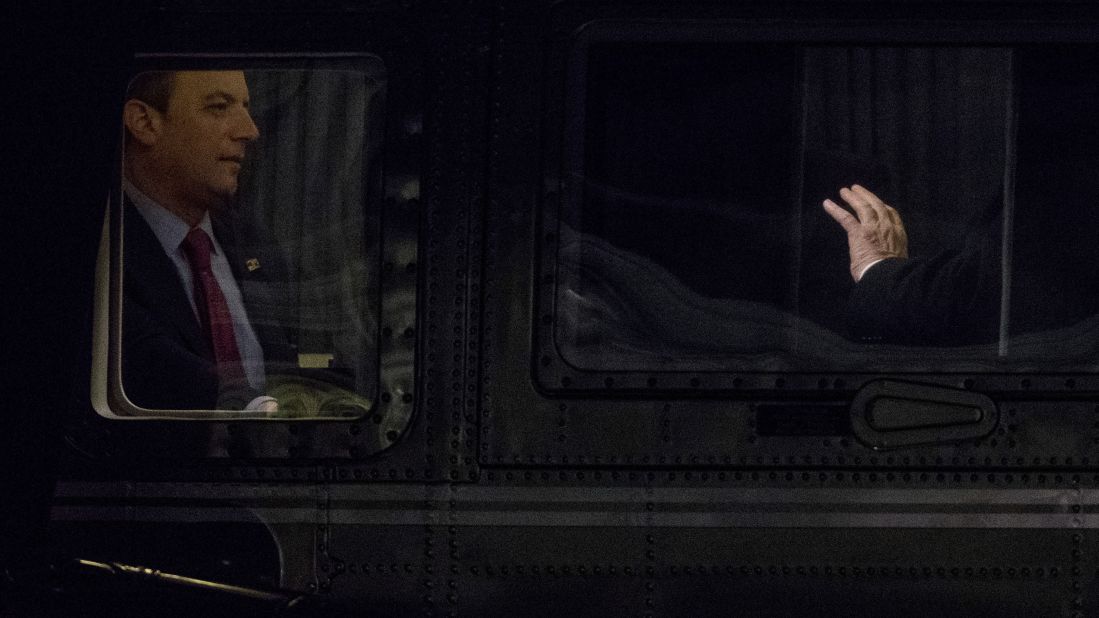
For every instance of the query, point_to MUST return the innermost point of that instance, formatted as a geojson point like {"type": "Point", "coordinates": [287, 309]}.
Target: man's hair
{"type": "Point", "coordinates": [152, 87]}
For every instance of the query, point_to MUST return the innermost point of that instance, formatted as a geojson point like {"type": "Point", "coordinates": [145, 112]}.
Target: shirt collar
{"type": "Point", "coordinates": [169, 229]}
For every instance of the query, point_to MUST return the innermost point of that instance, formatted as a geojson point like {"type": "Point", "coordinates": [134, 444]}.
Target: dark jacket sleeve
{"type": "Point", "coordinates": [952, 298]}
{"type": "Point", "coordinates": [159, 371]}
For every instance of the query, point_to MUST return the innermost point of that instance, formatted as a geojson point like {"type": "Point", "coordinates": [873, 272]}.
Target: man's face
{"type": "Point", "coordinates": [204, 134]}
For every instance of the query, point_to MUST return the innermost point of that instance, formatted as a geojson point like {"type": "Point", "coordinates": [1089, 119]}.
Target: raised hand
{"type": "Point", "coordinates": [875, 234]}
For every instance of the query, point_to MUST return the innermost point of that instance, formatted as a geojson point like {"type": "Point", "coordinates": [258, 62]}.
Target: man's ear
{"type": "Point", "coordinates": [142, 121]}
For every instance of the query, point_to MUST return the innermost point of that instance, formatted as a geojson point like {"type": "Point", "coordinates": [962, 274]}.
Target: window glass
{"type": "Point", "coordinates": [693, 236]}
{"type": "Point", "coordinates": [249, 243]}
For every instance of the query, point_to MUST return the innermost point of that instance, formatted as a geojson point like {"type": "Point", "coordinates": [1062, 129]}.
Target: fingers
{"type": "Point", "coordinates": [867, 195]}
{"type": "Point", "coordinates": [893, 216]}
{"type": "Point", "coordinates": [869, 206]}
{"type": "Point", "coordinates": [882, 210]}
{"type": "Point", "coordinates": [860, 204]}
{"type": "Point", "coordinates": [870, 211]}
{"type": "Point", "coordinates": [844, 218]}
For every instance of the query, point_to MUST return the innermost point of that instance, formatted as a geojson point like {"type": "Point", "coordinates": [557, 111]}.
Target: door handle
{"type": "Point", "coordinates": [888, 414]}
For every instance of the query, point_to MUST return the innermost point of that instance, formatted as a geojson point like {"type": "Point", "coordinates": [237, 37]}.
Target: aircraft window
{"type": "Point", "coordinates": [692, 233]}
{"type": "Point", "coordinates": [249, 246]}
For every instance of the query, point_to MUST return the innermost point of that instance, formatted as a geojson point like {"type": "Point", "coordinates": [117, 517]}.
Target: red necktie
{"type": "Point", "coordinates": [213, 311]}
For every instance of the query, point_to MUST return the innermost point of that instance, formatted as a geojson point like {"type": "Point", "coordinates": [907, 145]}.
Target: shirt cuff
{"type": "Point", "coordinates": [868, 267]}
{"type": "Point", "coordinates": [263, 403]}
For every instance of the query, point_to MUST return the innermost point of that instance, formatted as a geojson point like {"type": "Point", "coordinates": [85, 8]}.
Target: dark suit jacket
{"type": "Point", "coordinates": [953, 298]}
{"type": "Point", "coordinates": [166, 362]}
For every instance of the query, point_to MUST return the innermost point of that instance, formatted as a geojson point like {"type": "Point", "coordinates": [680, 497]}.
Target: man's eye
{"type": "Point", "coordinates": [218, 107]}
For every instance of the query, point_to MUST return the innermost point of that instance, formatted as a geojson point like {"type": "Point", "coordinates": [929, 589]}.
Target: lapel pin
{"type": "Point", "coordinates": [252, 264]}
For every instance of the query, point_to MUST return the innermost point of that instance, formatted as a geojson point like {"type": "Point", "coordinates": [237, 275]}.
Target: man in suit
{"type": "Point", "coordinates": [190, 335]}
{"type": "Point", "coordinates": [948, 299]}
{"type": "Point", "coordinates": [954, 297]}
{"type": "Point", "coordinates": [1049, 270]}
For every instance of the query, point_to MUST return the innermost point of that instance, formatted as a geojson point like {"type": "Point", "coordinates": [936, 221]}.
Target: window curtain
{"type": "Point", "coordinates": [306, 184]}
{"type": "Point", "coordinates": [936, 118]}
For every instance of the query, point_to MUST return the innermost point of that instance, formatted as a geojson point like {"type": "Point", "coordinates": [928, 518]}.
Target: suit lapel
{"type": "Point", "coordinates": [152, 280]}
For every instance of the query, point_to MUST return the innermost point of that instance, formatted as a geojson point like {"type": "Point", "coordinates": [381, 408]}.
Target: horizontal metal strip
{"type": "Point", "coordinates": [589, 518]}
{"type": "Point", "coordinates": [368, 493]}
{"type": "Point", "coordinates": [183, 514]}
{"type": "Point", "coordinates": [243, 502]}
{"type": "Point", "coordinates": [227, 491]}
{"type": "Point", "coordinates": [822, 506]}
{"type": "Point", "coordinates": [770, 495]}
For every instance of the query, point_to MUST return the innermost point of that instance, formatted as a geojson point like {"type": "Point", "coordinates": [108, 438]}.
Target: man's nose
{"type": "Point", "coordinates": [245, 128]}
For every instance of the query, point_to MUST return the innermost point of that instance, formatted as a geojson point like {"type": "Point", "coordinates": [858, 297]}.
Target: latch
{"type": "Point", "coordinates": [889, 414]}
